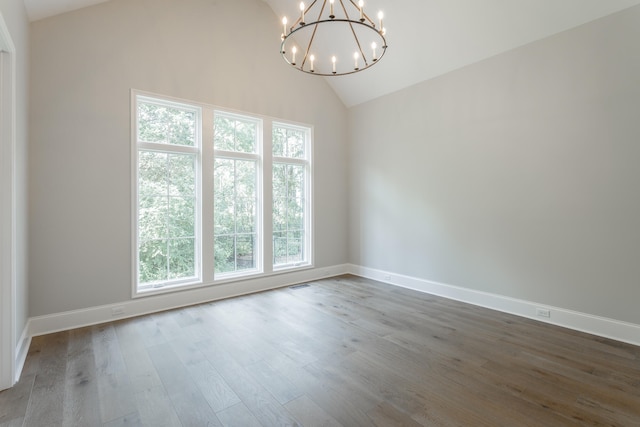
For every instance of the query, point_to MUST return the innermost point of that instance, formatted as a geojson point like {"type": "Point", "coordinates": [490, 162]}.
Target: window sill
{"type": "Point", "coordinates": [180, 287]}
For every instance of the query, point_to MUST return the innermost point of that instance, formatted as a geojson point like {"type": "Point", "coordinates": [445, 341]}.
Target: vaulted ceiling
{"type": "Point", "coordinates": [428, 38]}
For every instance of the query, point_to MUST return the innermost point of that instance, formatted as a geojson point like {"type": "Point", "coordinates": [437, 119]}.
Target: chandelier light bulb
{"type": "Point", "coordinates": [284, 26]}
{"type": "Point", "coordinates": [355, 57]}
{"type": "Point", "coordinates": [333, 60]}
{"type": "Point", "coordinates": [293, 55]}
{"type": "Point", "coordinates": [380, 16]}
{"type": "Point", "coordinates": [331, 14]}
{"type": "Point", "coordinates": [301, 13]}
{"type": "Point", "coordinates": [373, 49]}
{"type": "Point", "coordinates": [312, 58]}
{"type": "Point", "coordinates": [361, 6]}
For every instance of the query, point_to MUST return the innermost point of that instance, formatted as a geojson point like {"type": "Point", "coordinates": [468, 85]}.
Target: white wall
{"type": "Point", "coordinates": [84, 64]}
{"type": "Point", "coordinates": [15, 17]}
{"type": "Point", "coordinates": [516, 176]}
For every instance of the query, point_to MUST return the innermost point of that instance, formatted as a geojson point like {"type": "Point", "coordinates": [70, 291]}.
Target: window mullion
{"type": "Point", "coordinates": [290, 161]}
{"type": "Point", "coordinates": [267, 197]}
{"type": "Point", "coordinates": [206, 242]}
{"type": "Point", "coordinates": [235, 214]}
{"type": "Point", "coordinates": [166, 148]}
{"type": "Point", "coordinates": [167, 218]}
{"type": "Point", "coordinates": [223, 154]}
{"type": "Point", "coordinates": [286, 210]}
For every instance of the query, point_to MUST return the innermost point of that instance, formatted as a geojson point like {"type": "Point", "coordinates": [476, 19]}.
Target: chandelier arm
{"type": "Point", "coordinates": [313, 35]}
{"type": "Point", "coordinates": [364, 58]}
{"type": "Point", "coordinates": [346, 14]}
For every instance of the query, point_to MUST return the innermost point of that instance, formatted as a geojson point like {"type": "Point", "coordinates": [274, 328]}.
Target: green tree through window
{"type": "Point", "coordinates": [235, 193]}
{"type": "Point", "coordinates": [290, 202]}
{"type": "Point", "coordinates": [166, 193]}
{"type": "Point", "coordinates": [199, 194]}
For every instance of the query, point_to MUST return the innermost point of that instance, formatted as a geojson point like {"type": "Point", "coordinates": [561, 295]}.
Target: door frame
{"type": "Point", "coordinates": [8, 339]}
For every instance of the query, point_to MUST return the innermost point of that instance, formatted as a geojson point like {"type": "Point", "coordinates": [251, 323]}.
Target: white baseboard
{"type": "Point", "coordinates": [57, 322]}
{"type": "Point", "coordinates": [41, 325]}
{"type": "Point", "coordinates": [21, 350]}
{"type": "Point", "coordinates": [595, 325]}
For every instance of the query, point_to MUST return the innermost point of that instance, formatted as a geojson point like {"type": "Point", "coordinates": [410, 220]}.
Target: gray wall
{"type": "Point", "coordinates": [84, 64]}
{"type": "Point", "coordinates": [15, 16]}
{"type": "Point", "coordinates": [516, 176]}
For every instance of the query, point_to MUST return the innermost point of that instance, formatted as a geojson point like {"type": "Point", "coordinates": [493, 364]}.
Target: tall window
{"type": "Point", "coordinates": [236, 193]}
{"type": "Point", "coordinates": [168, 149]}
{"type": "Point", "coordinates": [199, 196]}
{"type": "Point", "coordinates": [290, 195]}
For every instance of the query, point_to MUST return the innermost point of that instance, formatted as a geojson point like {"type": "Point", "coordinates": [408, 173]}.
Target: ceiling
{"type": "Point", "coordinates": [428, 38]}
{"type": "Point", "coordinates": [39, 9]}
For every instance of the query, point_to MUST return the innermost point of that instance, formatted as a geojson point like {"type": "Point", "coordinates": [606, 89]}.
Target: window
{"type": "Point", "coordinates": [290, 195]}
{"type": "Point", "coordinates": [167, 141]}
{"type": "Point", "coordinates": [202, 212]}
{"type": "Point", "coordinates": [236, 182]}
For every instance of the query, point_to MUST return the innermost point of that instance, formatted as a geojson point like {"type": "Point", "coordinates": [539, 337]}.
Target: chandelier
{"type": "Point", "coordinates": [333, 38]}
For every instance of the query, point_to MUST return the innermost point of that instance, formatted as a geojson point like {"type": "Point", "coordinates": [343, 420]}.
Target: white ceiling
{"type": "Point", "coordinates": [39, 9]}
{"type": "Point", "coordinates": [428, 38]}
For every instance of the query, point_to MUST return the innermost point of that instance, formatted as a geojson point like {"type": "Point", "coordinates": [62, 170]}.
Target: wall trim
{"type": "Point", "coordinates": [583, 322]}
{"type": "Point", "coordinates": [8, 248]}
{"type": "Point", "coordinates": [22, 349]}
{"type": "Point", "coordinates": [41, 325]}
{"type": "Point", "coordinates": [595, 325]}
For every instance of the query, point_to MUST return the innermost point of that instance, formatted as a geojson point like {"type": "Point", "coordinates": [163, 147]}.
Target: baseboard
{"type": "Point", "coordinates": [595, 325]}
{"type": "Point", "coordinates": [57, 322]}
{"type": "Point", "coordinates": [21, 351]}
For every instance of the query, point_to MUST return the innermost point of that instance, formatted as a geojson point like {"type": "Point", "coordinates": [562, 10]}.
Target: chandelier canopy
{"type": "Point", "coordinates": [333, 38]}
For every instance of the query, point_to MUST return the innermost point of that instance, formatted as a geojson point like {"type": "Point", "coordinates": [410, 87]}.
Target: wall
{"type": "Point", "coordinates": [15, 17]}
{"type": "Point", "coordinates": [516, 176]}
{"type": "Point", "coordinates": [84, 64]}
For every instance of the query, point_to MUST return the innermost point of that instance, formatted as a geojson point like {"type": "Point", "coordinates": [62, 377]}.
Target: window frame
{"type": "Point", "coordinates": [205, 159]}
{"type": "Point", "coordinates": [306, 162]}
{"type": "Point", "coordinates": [258, 157]}
{"type": "Point", "coordinates": [195, 150]}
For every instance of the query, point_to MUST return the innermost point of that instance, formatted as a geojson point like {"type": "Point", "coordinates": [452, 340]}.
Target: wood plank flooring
{"type": "Point", "coordinates": [341, 352]}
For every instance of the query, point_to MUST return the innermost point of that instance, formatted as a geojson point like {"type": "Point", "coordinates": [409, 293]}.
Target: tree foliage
{"type": "Point", "coordinates": [162, 124]}
{"type": "Point", "coordinates": [235, 195]}
{"type": "Point", "coordinates": [166, 195]}
{"type": "Point", "coordinates": [288, 196]}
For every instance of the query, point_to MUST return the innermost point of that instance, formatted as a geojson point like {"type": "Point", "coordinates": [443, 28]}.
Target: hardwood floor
{"type": "Point", "coordinates": [341, 352]}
